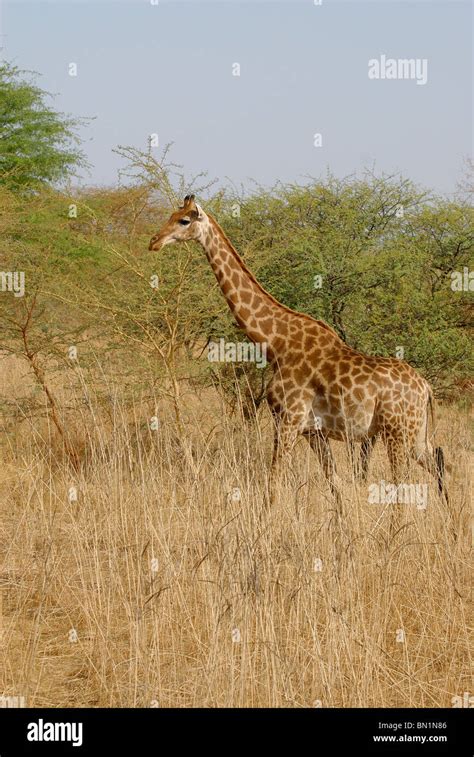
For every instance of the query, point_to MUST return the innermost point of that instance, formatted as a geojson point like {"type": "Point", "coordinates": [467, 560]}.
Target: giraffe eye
{"type": "Point", "coordinates": [184, 221]}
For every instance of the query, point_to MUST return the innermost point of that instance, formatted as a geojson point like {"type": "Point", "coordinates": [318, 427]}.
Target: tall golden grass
{"type": "Point", "coordinates": [167, 583]}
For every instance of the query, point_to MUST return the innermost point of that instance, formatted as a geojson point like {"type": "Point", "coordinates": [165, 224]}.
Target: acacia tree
{"type": "Point", "coordinates": [38, 145]}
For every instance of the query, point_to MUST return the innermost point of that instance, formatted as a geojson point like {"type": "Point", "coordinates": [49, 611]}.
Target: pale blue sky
{"type": "Point", "coordinates": [167, 68]}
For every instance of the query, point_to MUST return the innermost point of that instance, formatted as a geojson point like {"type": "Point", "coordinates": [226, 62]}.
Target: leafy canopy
{"type": "Point", "coordinates": [37, 144]}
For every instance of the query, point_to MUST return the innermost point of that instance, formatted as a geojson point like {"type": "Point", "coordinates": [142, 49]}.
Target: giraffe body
{"type": "Point", "coordinates": [321, 388]}
{"type": "Point", "coordinates": [345, 394]}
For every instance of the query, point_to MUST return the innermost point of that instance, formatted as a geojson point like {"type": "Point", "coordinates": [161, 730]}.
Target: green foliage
{"type": "Point", "coordinates": [37, 144]}
{"type": "Point", "coordinates": [384, 251]}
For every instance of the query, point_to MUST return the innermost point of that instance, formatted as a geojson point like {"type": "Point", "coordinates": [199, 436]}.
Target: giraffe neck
{"type": "Point", "coordinates": [254, 309]}
{"type": "Point", "coordinates": [261, 316]}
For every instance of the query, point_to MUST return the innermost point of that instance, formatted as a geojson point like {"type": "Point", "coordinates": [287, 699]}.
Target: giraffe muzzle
{"type": "Point", "coordinates": [155, 244]}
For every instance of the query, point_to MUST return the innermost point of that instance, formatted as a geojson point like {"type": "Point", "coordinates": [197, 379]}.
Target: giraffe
{"type": "Point", "coordinates": [321, 388]}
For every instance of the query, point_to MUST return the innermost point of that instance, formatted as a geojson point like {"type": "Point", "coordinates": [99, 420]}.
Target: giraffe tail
{"type": "Point", "coordinates": [439, 461]}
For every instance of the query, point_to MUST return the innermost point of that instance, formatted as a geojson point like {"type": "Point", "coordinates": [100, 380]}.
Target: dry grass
{"type": "Point", "coordinates": [180, 596]}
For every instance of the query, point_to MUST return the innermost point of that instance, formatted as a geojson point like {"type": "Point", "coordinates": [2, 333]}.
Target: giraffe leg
{"type": "Point", "coordinates": [354, 463]}
{"type": "Point", "coordinates": [320, 445]}
{"type": "Point", "coordinates": [360, 465]}
{"type": "Point", "coordinates": [284, 439]}
{"type": "Point", "coordinates": [366, 449]}
{"type": "Point", "coordinates": [397, 458]}
{"type": "Point", "coordinates": [338, 525]}
{"type": "Point", "coordinates": [397, 455]}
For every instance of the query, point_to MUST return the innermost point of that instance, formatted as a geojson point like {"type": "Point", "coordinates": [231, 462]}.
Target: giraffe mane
{"type": "Point", "coordinates": [249, 273]}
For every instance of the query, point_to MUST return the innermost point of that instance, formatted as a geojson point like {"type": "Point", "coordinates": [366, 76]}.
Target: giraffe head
{"type": "Point", "coordinates": [182, 226]}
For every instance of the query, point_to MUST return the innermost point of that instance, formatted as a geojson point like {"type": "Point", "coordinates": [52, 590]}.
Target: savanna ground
{"type": "Point", "coordinates": [149, 574]}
